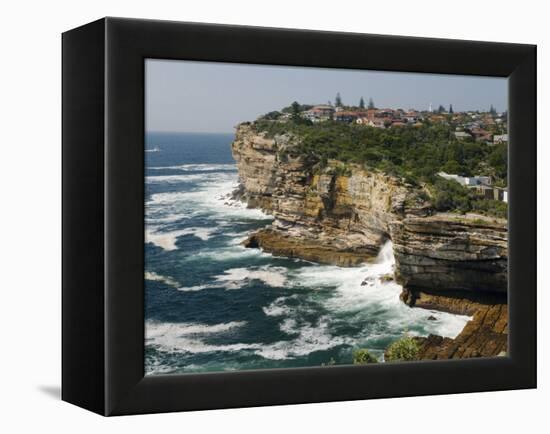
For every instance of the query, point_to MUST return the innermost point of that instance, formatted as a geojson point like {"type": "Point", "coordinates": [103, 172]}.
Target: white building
{"type": "Point", "coordinates": [467, 181]}
{"type": "Point", "coordinates": [500, 138]}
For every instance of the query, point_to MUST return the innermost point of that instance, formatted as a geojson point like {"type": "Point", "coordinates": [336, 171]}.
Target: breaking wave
{"type": "Point", "coordinates": [229, 307]}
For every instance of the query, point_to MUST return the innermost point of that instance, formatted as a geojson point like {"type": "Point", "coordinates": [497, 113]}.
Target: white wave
{"type": "Point", "coordinates": [155, 329]}
{"type": "Point", "coordinates": [231, 252]}
{"type": "Point", "coordinates": [167, 240]}
{"type": "Point", "coordinates": [151, 275]}
{"type": "Point", "coordinates": [235, 278]}
{"type": "Point", "coordinates": [186, 338]}
{"type": "Point", "coordinates": [311, 338]}
{"type": "Point", "coordinates": [211, 198]}
{"type": "Point", "coordinates": [277, 307]}
{"type": "Point", "coordinates": [362, 291]}
{"type": "Point", "coordinates": [289, 326]}
{"type": "Point", "coordinates": [197, 167]}
{"type": "Point", "coordinates": [171, 179]}
{"type": "Point", "coordinates": [196, 288]}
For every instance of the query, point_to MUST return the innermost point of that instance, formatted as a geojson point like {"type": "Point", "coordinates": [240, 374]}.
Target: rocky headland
{"type": "Point", "coordinates": [343, 214]}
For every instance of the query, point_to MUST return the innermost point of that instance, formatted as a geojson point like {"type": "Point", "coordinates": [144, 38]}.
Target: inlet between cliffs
{"type": "Point", "coordinates": [213, 305]}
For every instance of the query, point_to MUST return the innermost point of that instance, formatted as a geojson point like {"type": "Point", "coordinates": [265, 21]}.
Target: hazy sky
{"type": "Point", "coordinates": [214, 97]}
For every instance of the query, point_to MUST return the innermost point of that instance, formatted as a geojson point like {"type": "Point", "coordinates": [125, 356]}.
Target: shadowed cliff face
{"type": "Point", "coordinates": [343, 216]}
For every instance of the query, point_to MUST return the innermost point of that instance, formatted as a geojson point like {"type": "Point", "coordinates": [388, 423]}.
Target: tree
{"type": "Point", "coordinates": [493, 110]}
{"type": "Point", "coordinates": [338, 100]}
{"type": "Point", "coordinates": [295, 111]}
{"type": "Point", "coordinates": [441, 109]}
{"type": "Point", "coordinates": [362, 103]}
{"type": "Point", "coordinates": [371, 104]}
{"type": "Point", "coordinates": [451, 109]}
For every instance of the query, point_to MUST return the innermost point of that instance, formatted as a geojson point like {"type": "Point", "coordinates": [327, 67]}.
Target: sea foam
{"type": "Point", "coordinates": [151, 275]}
{"type": "Point", "coordinates": [167, 240]}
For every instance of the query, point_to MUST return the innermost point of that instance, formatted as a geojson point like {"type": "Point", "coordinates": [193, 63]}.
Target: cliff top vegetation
{"type": "Point", "coordinates": [414, 153]}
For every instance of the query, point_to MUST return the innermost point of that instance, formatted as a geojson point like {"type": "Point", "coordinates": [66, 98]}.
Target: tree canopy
{"type": "Point", "coordinates": [416, 154]}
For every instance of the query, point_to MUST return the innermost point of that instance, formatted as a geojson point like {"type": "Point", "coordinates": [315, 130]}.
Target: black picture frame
{"type": "Point", "coordinates": [103, 215]}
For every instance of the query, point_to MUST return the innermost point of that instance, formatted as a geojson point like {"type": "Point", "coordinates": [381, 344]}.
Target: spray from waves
{"type": "Point", "coordinates": [235, 278]}
{"type": "Point", "coordinates": [238, 277]}
{"type": "Point", "coordinates": [167, 240]}
{"type": "Point", "coordinates": [363, 292]}
{"type": "Point", "coordinates": [155, 329]}
{"type": "Point", "coordinates": [314, 307]}
{"type": "Point", "coordinates": [188, 338]}
{"type": "Point", "coordinates": [151, 275]}
{"type": "Point", "coordinates": [209, 199]}
{"type": "Point", "coordinates": [278, 307]}
{"type": "Point", "coordinates": [197, 167]}
{"type": "Point", "coordinates": [195, 288]}
{"type": "Point", "coordinates": [172, 179]}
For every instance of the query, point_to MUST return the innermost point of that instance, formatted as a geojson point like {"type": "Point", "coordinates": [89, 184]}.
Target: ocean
{"type": "Point", "coordinates": [213, 305]}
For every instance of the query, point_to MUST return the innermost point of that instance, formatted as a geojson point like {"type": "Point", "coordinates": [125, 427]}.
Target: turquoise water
{"type": "Point", "coordinates": [212, 305]}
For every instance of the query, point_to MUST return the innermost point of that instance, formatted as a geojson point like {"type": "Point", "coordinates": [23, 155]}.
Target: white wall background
{"type": "Point", "coordinates": [30, 214]}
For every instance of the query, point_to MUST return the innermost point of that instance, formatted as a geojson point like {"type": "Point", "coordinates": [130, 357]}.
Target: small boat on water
{"type": "Point", "coordinates": [155, 149]}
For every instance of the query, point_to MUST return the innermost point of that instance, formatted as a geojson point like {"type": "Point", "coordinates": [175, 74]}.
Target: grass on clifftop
{"type": "Point", "coordinates": [415, 154]}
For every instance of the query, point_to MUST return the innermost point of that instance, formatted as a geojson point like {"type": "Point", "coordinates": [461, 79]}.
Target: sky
{"type": "Point", "coordinates": [188, 96]}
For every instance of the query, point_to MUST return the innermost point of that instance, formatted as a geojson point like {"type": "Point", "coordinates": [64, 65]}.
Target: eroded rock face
{"type": "Point", "coordinates": [451, 252]}
{"type": "Point", "coordinates": [343, 217]}
{"type": "Point", "coordinates": [486, 335]}
{"type": "Point", "coordinates": [455, 302]}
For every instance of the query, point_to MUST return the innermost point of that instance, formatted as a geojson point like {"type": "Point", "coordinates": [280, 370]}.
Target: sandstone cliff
{"type": "Point", "coordinates": [486, 335]}
{"type": "Point", "coordinates": [342, 215]}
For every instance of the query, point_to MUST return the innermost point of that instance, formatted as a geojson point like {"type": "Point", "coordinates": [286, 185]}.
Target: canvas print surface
{"type": "Point", "coordinates": [306, 217]}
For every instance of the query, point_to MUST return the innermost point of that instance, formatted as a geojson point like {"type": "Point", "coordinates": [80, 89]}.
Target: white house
{"type": "Point", "coordinates": [467, 181]}
{"type": "Point", "coordinates": [500, 138]}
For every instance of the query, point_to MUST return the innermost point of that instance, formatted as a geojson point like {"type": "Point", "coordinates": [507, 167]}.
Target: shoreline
{"type": "Point", "coordinates": [444, 261]}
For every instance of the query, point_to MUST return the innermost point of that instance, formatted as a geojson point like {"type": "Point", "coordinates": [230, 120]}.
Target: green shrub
{"type": "Point", "coordinates": [362, 357]}
{"type": "Point", "coordinates": [491, 207]}
{"type": "Point", "coordinates": [404, 349]}
{"type": "Point", "coordinates": [450, 195]}
{"type": "Point", "coordinates": [413, 154]}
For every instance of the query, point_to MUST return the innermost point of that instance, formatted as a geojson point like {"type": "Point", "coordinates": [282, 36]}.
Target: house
{"type": "Point", "coordinates": [319, 113]}
{"type": "Point", "coordinates": [385, 113]}
{"type": "Point", "coordinates": [467, 181]}
{"type": "Point", "coordinates": [486, 138]}
{"type": "Point", "coordinates": [462, 135]}
{"type": "Point", "coordinates": [500, 138]}
{"type": "Point", "coordinates": [411, 116]}
{"type": "Point", "coordinates": [481, 135]}
{"type": "Point", "coordinates": [398, 124]}
{"type": "Point", "coordinates": [492, 193]}
{"type": "Point", "coordinates": [488, 121]}
{"type": "Point", "coordinates": [379, 123]}
{"type": "Point", "coordinates": [371, 113]}
{"type": "Point", "coordinates": [346, 116]}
